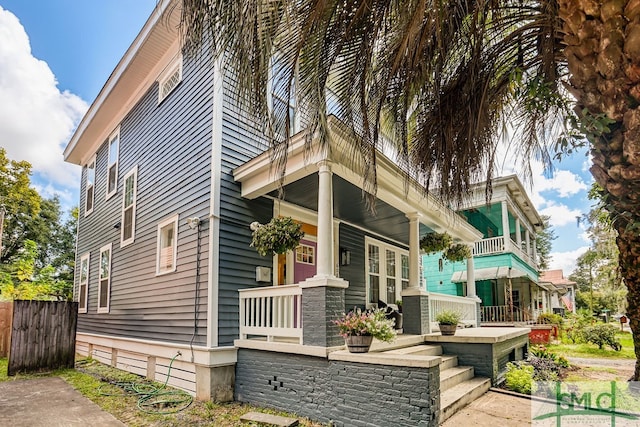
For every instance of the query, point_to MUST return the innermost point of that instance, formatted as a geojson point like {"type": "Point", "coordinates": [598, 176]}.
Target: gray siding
{"type": "Point", "coordinates": [171, 145]}
{"type": "Point", "coordinates": [238, 261]}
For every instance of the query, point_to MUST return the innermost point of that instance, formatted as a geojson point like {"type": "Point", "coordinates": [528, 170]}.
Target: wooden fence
{"type": "Point", "coordinates": [43, 335]}
{"type": "Point", "coordinates": [5, 327]}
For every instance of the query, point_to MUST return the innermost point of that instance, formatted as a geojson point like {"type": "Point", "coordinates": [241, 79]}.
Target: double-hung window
{"type": "Point", "coordinates": [83, 283]}
{"type": "Point", "coordinates": [128, 223]}
{"type": "Point", "coordinates": [89, 186]}
{"type": "Point", "coordinates": [283, 99]}
{"type": "Point", "coordinates": [112, 167]}
{"type": "Point", "coordinates": [104, 279]}
{"type": "Point", "coordinates": [167, 245]}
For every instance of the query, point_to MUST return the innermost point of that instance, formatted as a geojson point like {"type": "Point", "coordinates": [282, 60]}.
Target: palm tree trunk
{"type": "Point", "coordinates": [603, 55]}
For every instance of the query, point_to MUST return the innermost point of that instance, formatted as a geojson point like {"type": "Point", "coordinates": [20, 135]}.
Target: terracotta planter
{"type": "Point", "coordinates": [358, 343]}
{"type": "Point", "coordinates": [448, 330]}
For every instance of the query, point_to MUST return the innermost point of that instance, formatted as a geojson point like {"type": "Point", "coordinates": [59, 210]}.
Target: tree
{"type": "Point", "coordinates": [544, 240]}
{"type": "Point", "coordinates": [440, 78]}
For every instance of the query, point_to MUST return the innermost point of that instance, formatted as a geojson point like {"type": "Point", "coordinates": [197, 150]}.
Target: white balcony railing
{"type": "Point", "coordinates": [463, 305]}
{"type": "Point", "coordinates": [273, 312]}
{"type": "Point", "coordinates": [505, 314]}
{"type": "Point", "coordinates": [497, 245]}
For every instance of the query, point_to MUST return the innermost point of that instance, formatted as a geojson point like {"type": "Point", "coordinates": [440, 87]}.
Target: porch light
{"type": "Point", "coordinates": [345, 256]}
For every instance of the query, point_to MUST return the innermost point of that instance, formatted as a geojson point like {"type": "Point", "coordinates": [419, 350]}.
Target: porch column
{"type": "Point", "coordinates": [518, 234]}
{"type": "Point", "coordinates": [505, 226]}
{"type": "Point", "coordinates": [325, 221]}
{"type": "Point", "coordinates": [534, 249]}
{"type": "Point", "coordinates": [527, 241]}
{"type": "Point", "coordinates": [415, 299]}
{"type": "Point", "coordinates": [471, 289]}
{"type": "Point", "coordinates": [323, 295]}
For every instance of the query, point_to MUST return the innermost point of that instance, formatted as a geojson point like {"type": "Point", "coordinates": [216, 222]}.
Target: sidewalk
{"type": "Point", "coordinates": [493, 409]}
{"type": "Point", "coordinates": [46, 402]}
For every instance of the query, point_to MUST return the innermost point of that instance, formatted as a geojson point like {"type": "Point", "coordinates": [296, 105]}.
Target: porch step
{"type": "Point", "coordinates": [419, 350]}
{"type": "Point", "coordinates": [401, 341]}
{"type": "Point", "coordinates": [460, 395]}
{"type": "Point", "coordinates": [448, 361]}
{"type": "Point", "coordinates": [453, 376]}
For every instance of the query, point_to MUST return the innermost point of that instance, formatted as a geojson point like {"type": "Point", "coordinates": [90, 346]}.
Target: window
{"type": "Point", "coordinates": [128, 224]}
{"type": "Point", "coordinates": [167, 245]}
{"type": "Point", "coordinates": [104, 279]}
{"type": "Point", "coordinates": [305, 254]}
{"type": "Point", "coordinates": [89, 186]}
{"type": "Point", "coordinates": [387, 272]}
{"type": "Point", "coordinates": [283, 101]}
{"type": "Point", "coordinates": [112, 167]}
{"type": "Point", "coordinates": [83, 283]}
{"type": "Point", "coordinates": [170, 79]}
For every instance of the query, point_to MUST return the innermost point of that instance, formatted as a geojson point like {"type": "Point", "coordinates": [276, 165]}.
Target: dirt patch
{"type": "Point", "coordinates": [584, 369]}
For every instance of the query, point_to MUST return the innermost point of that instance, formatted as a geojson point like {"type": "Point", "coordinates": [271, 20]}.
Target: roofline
{"type": "Point", "coordinates": [116, 75]}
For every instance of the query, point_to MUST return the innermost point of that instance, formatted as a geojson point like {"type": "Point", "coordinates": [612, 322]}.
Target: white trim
{"type": "Point", "coordinates": [93, 186]}
{"type": "Point", "coordinates": [382, 269]}
{"type": "Point", "coordinates": [115, 136]}
{"type": "Point", "coordinates": [175, 66]}
{"type": "Point", "coordinates": [87, 257]}
{"type": "Point", "coordinates": [214, 206]}
{"type": "Point", "coordinates": [173, 220]}
{"type": "Point", "coordinates": [105, 248]}
{"type": "Point", "coordinates": [133, 172]}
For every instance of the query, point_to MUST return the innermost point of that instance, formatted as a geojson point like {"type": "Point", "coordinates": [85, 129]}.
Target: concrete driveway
{"type": "Point", "coordinates": [49, 402]}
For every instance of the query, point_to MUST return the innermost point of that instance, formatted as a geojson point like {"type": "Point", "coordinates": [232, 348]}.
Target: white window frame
{"type": "Point", "coordinates": [166, 76]}
{"type": "Point", "coordinates": [132, 173]}
{"type": "Point", "coordinates": [159, 270]}
{"type": "Point", "coordinates": [83, 302]}
{"type": "Point", "coordinates": [382, 269]}
{"type": "Point", "coordinates": [101, 279]}
{"type": "Point", "coordinates": [292, 103]}
{"type": "Point", "coordinates": [113, 163]}
{"type": "Point", "coordinates": [88, 186]}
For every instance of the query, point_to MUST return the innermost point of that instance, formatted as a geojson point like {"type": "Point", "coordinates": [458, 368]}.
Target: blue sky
{"type": "Point", "coordinates": [55, 56]}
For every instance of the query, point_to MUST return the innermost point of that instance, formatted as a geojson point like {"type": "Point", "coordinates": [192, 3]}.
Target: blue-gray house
{"type": "Point", "coordinates": [173, 174]}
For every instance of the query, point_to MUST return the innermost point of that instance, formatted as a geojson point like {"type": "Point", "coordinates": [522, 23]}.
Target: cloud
{"type": "Point", "coordinates": [36, 118]}
{"type": "Point", "coordinates": [565, 183]}
{"type": "Point", "coordinates": [566, 260]}
{"type": "Point", "coordinates": [560, 214]}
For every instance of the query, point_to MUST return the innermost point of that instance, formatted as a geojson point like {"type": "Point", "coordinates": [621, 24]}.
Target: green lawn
{"type": "Point", "coordinates": [567, 349]}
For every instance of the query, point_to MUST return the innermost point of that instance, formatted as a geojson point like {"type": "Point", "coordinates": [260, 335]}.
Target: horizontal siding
{"type": "Point", "coordinates": [170, 144]}
{"type": "Point", "coordinates": [440, 281]}
{"type": "Point", "coordinates": [353, 239]}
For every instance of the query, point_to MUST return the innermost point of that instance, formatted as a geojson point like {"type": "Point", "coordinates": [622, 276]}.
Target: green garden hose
{"type": "Point", "coordinates": [154, 399]}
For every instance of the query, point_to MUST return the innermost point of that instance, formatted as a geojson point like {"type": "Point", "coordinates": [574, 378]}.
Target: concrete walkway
{"type": "Point", "coordinates": [493, 409]}
{"type": "Point", "coordinates": [49, 402]}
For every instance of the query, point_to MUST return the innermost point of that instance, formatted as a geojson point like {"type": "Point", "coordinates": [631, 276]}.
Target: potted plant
{"type": "Point", "coordinates": [359, 328]}
{"type": "Point", "coordinates": [448, 321]}
{"type": "Point", "coordinates": [435, 242]}
{"type": "Point", "coordinates": [457, 252]}
{"type": "Point", "coordinates": [277, 236]}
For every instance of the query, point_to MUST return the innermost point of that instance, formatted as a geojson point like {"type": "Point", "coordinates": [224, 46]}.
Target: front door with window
{"type": "Point", "coordinates": [304, 261]}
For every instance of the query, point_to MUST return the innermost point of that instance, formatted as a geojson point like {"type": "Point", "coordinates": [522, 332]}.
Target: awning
{"type": "Point", "coordinates": [489, 274]}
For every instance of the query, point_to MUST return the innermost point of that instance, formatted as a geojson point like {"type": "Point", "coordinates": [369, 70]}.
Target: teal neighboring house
{"type": "Point", "coordinates": [504, 262]}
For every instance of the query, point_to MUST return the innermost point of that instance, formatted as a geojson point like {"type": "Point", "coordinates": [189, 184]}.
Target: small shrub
{"type": "Point", "coordinates": [519, 378]}
{"type": "Point", "coordinates": [550, 319]}
{"type": "Point", "coordinates": [544, 369]}
{"type": "Point", "coordinates": [601, 335]}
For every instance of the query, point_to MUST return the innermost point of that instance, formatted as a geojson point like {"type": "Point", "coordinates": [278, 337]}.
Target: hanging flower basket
{"type": "Point", "coordinates": [277, 236]}
{"type": "Point", "coordinates": [435, 242]}
{"type": "Point", "coordinates": [457, 252]}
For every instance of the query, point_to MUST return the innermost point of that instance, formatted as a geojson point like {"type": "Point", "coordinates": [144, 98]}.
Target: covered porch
{"type": "Point", "coordinates": [353, 257]}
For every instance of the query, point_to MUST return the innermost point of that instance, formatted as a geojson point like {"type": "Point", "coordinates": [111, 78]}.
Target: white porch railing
{"type": "Point", "coordinates": [497, 245]}
{"type": "Point", "coordinates": [272, 312]}
{"type": "Point", "coordinates": [465, 306]}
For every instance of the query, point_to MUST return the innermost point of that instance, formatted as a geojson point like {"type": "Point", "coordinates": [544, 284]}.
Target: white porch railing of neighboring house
{"type": "Point", "coordinates": [503, 314]}
{"type": "Point", "coordinates": [273, 312]}
{"type": "Point", "coordinates": [496, 245]}
{"type": "Point", "coordinates": [465, 306]}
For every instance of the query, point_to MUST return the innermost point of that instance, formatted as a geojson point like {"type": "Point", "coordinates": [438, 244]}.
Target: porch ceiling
{"type": "Point", "coordinates": [394, 197]}
{"type": "Point", "coordinates": [350, 206]}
